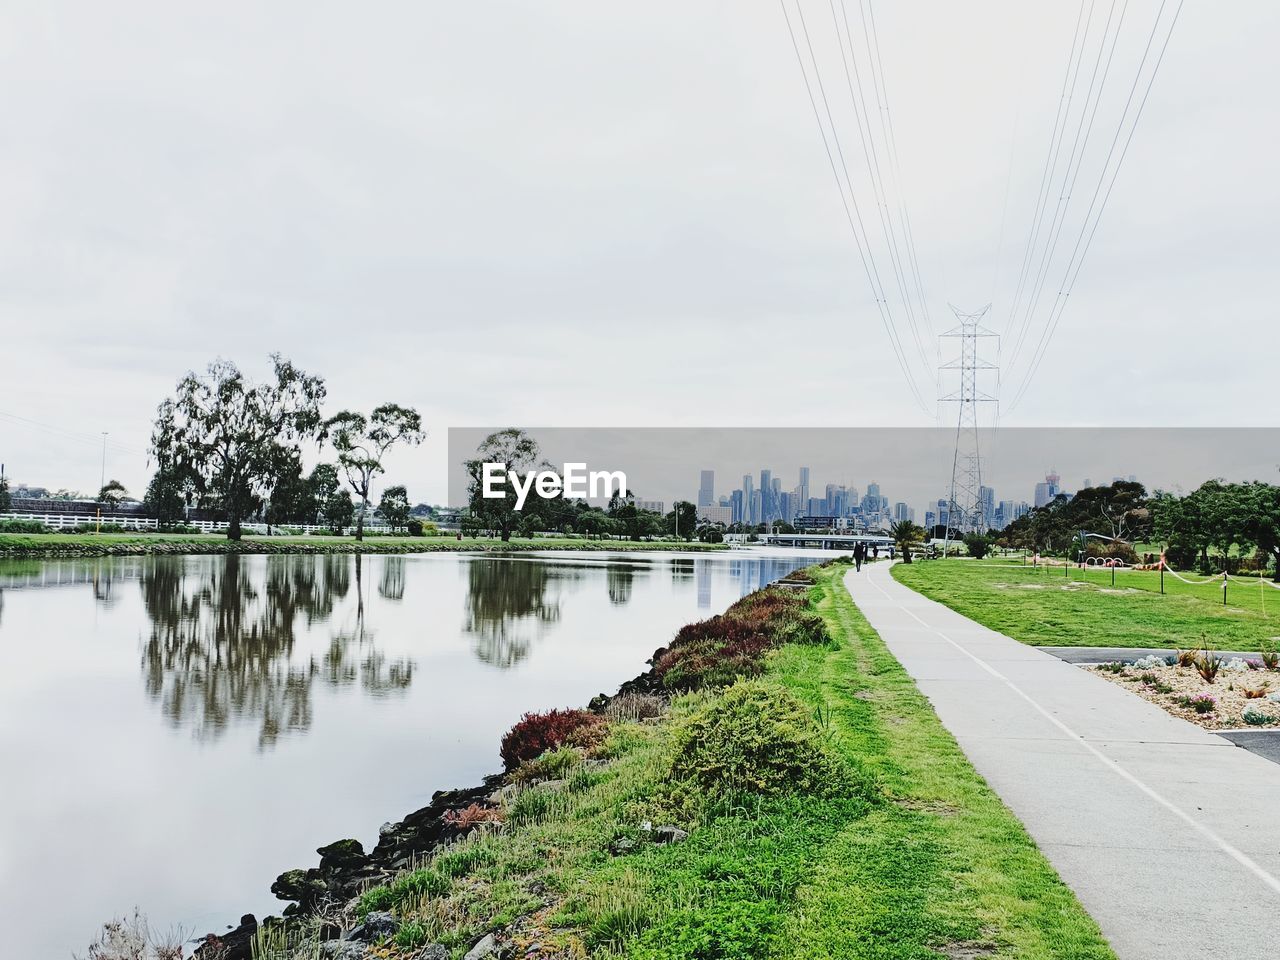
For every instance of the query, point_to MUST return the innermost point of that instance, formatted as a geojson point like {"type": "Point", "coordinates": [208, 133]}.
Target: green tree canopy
{"type": "Point", "coordinates": [395, 506]}
{"type": "Point", "coordinates": [223, 434]}
{"type": "Point", "coordinates": [362, 444]}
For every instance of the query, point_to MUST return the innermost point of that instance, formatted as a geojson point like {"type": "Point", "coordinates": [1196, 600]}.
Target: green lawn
{"type": "Point", "coordinates": [104, 544]}
{"type": "Point", "coordinates": [932, 865]}
{"type": "Point", "coordinates": [1044, 607]}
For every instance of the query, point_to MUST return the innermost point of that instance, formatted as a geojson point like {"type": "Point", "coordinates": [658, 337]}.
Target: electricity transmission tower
{"type": "Point", "coordinates": [965, 506]}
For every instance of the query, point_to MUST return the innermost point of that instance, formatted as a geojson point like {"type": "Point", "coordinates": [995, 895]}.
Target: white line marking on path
{"type": "Point", "coordinates": [1234, 853]}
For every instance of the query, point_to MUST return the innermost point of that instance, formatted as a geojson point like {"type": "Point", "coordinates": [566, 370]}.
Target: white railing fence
{"type": "Point", "coordinates": [69, 521]}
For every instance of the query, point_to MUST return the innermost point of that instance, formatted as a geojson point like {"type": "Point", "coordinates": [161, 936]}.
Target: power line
{"type": "Point", "coordinates": [70, 434]}
{"type": "Point", "coordinates": [1046, 176]}
{"type": "Point", "coordinates": [864, 250]}
{"type": "Point", "coordinates": [1087, 230]}
{"type": "Point", "coordinates": [871, 157]}
{"type": "Point", "coordinates": [1075, 162]}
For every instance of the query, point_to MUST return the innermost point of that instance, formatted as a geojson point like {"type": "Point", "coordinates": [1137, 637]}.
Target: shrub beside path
{"type": "Point", "coordinates": [1169, 835]}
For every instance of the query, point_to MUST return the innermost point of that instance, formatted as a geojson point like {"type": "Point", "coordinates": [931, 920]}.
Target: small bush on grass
{"type": "Point", "coordinates": [736, 930]}
{"type": "Point", "coordinates": [552, 765]}
{"type": "Point", "coordinates": [717, 651]}
{"type": "Point", "coordinates": [755, 739]}
{"type": "Point", "coordinates": [536, 733]}
{"type": "Point", "coordinates": [23, 526]}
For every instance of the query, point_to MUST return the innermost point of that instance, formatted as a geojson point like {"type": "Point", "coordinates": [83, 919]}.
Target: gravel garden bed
{"type": "Point", "coordinates": [1244, 694]}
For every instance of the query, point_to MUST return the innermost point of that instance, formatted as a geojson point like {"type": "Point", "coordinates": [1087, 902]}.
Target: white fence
{"type": "Point", "coordinates": [68, 521]}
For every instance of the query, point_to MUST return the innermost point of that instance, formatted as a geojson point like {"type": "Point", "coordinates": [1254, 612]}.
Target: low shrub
{"type": "Point", "coordinates": [1200, 703]}
{"type": "Point", "coordinates": [755, 738]}
{"type": "Point", "coordinates": [467, 818]}
{"type": "Point", "coordinates": [1255, 716]}
{"type": "Point", "coordinates": [717, 651]}
{"type": "Point", "coordinates": [1207, 665]}
{"type": "Point", "coordinates": [106, 527]}
{"type": "Point", "coordinates": [1149, 662]}
{"type": "Point", "coordinates": [1270, 656]}
{"type": "Point", "coordinates": [552, 765]}
{"type": "Point", "coordinates": [1115, 666]}
{"type": "Point", "coordinates": [536, 733]}
{"type": "Point", "coordinates": [23, 526]}
{"type": "Point", "coordinates": [734, 930]}
{"type": "Point", "coordinates": [1187, 658]}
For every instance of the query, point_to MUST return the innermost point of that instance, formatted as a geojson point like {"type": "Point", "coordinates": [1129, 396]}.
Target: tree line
{"type": "Point", "coordinates": [234, 447]}
{"type": "Point", "coordinates": [622, 518]}
{"type": "Point", "coordinates": [1217, 526]}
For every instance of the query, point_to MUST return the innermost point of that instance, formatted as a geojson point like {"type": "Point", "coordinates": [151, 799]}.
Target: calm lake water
{"type": "Point", "coordinates": [176, 731]}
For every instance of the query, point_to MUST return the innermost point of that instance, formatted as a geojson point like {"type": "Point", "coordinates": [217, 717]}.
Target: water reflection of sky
{"type": "Point", "coordinates": [232, 713]}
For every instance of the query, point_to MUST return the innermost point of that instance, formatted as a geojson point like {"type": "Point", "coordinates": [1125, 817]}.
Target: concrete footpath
{"type": "Point", "coordinates": [1169, 835]}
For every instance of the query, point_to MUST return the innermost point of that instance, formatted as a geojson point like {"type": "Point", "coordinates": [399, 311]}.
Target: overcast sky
{"type": "Point", "coordinates": [559, 214]}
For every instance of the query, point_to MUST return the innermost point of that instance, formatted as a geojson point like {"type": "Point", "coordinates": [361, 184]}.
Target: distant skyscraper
{"type": "Point", "coordinates": [987, 505]}
{"type": "Point", "coordinates": [1045, 492]}
{"type": "Point", "coordinates": [749, 514]}
{"type": "Point", "coordinates": [803, 491]}
{"type": "Point", "coordinates": [707, 489]}
{"type": "Point", "coordinates": [766, 496]}
{"type": "Point", "coordinates": [901, 512]}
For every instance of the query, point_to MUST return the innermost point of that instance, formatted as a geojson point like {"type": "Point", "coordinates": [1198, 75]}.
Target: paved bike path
{"type": "Point", "coordinates": [1169, 835]}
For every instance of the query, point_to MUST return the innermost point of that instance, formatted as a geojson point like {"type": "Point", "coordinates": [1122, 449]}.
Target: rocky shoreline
{"type": "Point", "coordinates": [345, 870]}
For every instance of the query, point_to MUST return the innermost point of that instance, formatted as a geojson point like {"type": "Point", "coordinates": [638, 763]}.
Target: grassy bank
{"type": "Point", "coordinates": [29, 545]}
{"type": "Point", "coordinates": [1044, 607]}
{"type": "Point", "coordinates": [828, 814]}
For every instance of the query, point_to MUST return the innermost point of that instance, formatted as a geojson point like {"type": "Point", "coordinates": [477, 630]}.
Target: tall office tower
{"type": "Point", "coordinates": [757, 507]}
{"type": "Point", "coordinates": [1005, 514]}
{"type": "Point", "coordinates": [766, 496]}
{"type": "Point", "coordinates": [803, 491]}
{"type": "Point", "coordinates": [987, 505]}
{"type": "Point", "coordinates": [1045, 492]}
{"type": "Point", "coordinates": [749, 499]}
{"type": "Point", "coordinates": [706, 489]}
{"type": "Point", "coordinates": [930, 520]}
{"type": "Point", "coordinates": [736, 511]}
{"type": "Point", "coordinates": [901, 512]}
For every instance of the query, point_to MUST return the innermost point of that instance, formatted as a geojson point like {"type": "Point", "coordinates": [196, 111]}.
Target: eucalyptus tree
{"type": "Point", "coordinates": [226, 435]}
{"type": "Point", "coordinates": [112, 494]}
{"type": "Point", "coordinates": [394, 506]}
{"type": "Point", "coordinates": [362, 444]}
{"type": "Point", "coordinates": [518, 453]}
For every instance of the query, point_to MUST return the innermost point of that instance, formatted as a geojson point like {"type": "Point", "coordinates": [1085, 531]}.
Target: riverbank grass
{"type": "Point", "coordinates": [897, 850]}
{"type": "Point", "coordinates": [1043, 607]}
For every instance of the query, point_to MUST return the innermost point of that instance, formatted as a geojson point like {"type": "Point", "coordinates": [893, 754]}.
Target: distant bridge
{"type": "Point", "coordinates": [827, 541]}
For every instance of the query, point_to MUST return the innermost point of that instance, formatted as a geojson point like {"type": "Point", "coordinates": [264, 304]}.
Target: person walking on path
{"type": "Point", "coordinates": [859, 554]}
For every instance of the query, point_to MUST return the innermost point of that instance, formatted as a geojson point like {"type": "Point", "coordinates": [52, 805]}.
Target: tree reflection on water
{"type": "Point", "coordinates": [510, 603]}
{"type": "Point", "coordinates": [223, 633]}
